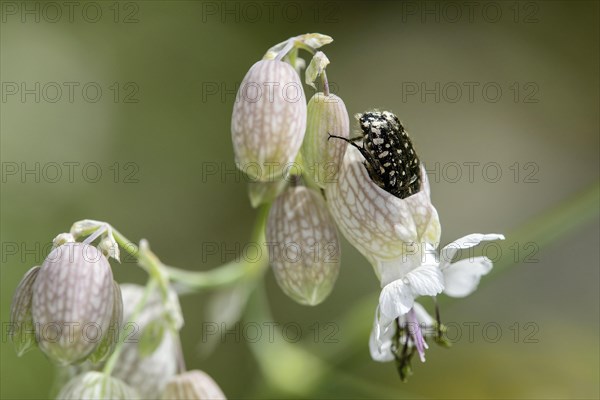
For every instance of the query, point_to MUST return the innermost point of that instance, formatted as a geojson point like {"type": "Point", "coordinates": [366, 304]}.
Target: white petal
{"type": "Point", "coordinates": [462, 277]}
{"type": "Point", "coordinates": [380, 342]}
{"type": "Point", "coordinates": [422, 315]}
{"type": "Point", "coordinates": [395, 300]}
{"type": "Point", "coordinates": [426, 280]}
{"type": "Point", "coordinates": [390, 270]}
{"type": "Point", "coordinates": [465, 242]}
{"type": "Point", "coordinates": [424, 213]}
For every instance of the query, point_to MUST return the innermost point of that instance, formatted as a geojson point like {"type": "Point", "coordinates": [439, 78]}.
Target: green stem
{"type": "Point", "coordinates": [130, 248]}
{"type": "Point", "coordinates": [224, 275]}
{"type": "Point", "coordinates": [221, 276]}
{"type": "Point", "coordinates": [325, 83]}
{"type": "Point", "coordinates": [159, 274]}
{"type": "Point", "coordinates": [232, 272]}
{"type": "Point", "coordinates": [181, 368]}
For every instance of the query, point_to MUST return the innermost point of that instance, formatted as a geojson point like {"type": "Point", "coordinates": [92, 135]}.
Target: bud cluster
{"type": "Point", "coordinates": [282, 128]}
{"type": "Point", "coordinates": [378, 196]}
{"type": "Point", "coordinates": [376, 193]}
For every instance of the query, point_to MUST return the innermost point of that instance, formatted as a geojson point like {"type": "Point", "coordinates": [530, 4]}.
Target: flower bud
{"type": "Point", "coordinates": [192, 385]}
{"type": "Point", "coordinates": [147, 374]}
{"type": "Point", "coordinates": [269, 119]}
{"type": "Point", "coordinates": [96, 385]}
{"type": "Point", "coordinates": [327, 115]}
{"type": "Point", "coordinates": [22, 328]}
{"type": "Point", "coordinates": [380, 225]}
{"type": "Point", "coordinates": [73, 302]}
{"type": "Point", "coordinates": [304, 248]}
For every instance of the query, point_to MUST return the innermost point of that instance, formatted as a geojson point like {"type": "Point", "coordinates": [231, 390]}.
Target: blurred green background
{"type": "Point", "coordinates": [168, 71]}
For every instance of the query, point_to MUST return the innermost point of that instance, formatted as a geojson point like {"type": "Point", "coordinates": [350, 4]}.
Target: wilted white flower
{"type": "Point", "coordinates": [70, 301]}
{"type": "Point", "coordinates": [382, 204]}
{"type": "Point", "coordinates": [192, 385]}
{"type": "Point", "coordinates": [327, 115]}
{"type": "Point", "coordinates": [269, 120]}
{"type": "Point", "coordinates": [316, 68]}
{"type": "Point", "coordinates": [405, 281]}
{"type": "Point", "coordinates": [96, 385]}
{"type": "Point", "coordinates": [399, 321]}
{"type": "Point", "coordinates": [304, 248]}
{"type": "Point", "coordinates": [148, 373]}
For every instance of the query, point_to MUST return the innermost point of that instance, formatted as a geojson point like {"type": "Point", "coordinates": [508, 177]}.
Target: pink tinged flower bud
{"type": "Point", "coordinates": [22, 328]}
{"type": "Point", "coordinates": [327, 115]}
{"type": "Point", "coordinates": [269, 119]}
{"type": "Point", "coordinates": [96, 385]}
{"type": "Point", "coordinates": [380, 225]}
{"type": "Point", "coordinates": [304, 247]}
{"type": "Point", "coordinates": [148, 374]}
{"type": "Point", "coordinates": [73, 302]}
{"type": "Point", "coordinates": [192, 385]}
